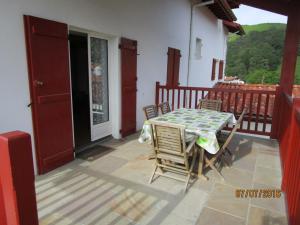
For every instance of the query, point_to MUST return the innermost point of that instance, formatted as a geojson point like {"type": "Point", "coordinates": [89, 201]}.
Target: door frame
{"type": "Point", "coordinates": [114, 83]}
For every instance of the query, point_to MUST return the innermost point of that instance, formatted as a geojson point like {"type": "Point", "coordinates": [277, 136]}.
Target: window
{"type": "Point", "coordinates": [198, 48]}
{"type": "Point", "coordinates": [213, 71]}
{"type": "Point", "coordinates": [173, 67]}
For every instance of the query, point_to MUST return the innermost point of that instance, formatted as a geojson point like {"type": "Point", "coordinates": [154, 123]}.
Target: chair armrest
{"type": "Point", "coordinates": [191, 145]}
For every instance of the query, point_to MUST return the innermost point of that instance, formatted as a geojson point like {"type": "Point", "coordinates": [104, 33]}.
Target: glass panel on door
{"type": "Point", "coordinates": [99, 80]}
{"type": "Point", "coordinates": [99, 99]}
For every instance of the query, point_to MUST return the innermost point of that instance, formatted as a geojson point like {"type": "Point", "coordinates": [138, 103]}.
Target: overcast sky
{"type": "Point", "coordinates": [249, 15]}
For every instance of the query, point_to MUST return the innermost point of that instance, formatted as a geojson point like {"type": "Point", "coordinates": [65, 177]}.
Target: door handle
{"type": "Point", "coordinates": [38, 83]}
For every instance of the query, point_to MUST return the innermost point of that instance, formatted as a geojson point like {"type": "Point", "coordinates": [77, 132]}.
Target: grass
{"type": "Point", "coordinates": [259, 28]}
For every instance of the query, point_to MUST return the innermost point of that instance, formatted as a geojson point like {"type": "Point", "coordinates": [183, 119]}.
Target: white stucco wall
{"type": "Point", "coordinates": [156, 25]}
{"type": "Point", "coordinates": [214, 40]}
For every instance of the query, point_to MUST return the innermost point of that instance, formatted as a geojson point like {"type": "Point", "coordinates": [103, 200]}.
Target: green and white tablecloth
{"type": "Point", "coordinates": [203, 123]}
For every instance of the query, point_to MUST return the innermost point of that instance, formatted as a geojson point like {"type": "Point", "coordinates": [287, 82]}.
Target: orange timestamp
{"type": "Point", "coordinates": [258, 193]}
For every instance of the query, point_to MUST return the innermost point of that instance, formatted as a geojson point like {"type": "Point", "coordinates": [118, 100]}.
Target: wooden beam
{"type": "Point", "coordinates": [279, 7]}
{"type": "Point", "coordinates": [290, 49]}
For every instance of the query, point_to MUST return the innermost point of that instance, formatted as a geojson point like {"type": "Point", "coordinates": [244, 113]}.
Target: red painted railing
{"type": "Point", "coordinates": [289, 139]}
{"type": "Point", "coordinates": [260, 103]}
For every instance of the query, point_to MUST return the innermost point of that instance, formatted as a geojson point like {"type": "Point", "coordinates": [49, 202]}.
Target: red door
{"type": "Point", "coordinates": [128, 85]}
{"type": "Point", "coordinates": [49, 79]}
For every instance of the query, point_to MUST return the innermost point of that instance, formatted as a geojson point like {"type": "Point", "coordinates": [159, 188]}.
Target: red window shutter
{"type": "Point", "coordinates": [173, 67]}
{"type": "Point", "coordinates": [170, 68]}
{"type": "Point", "coordinates": [213, 72]}
{"type": "Point", "coordinates": [177, 56]}
{"type": "Point", "coordinates": [221, 68]}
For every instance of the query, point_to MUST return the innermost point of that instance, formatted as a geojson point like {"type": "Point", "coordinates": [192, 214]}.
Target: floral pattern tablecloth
{"type": "Point", "coordinates": [203, 123]}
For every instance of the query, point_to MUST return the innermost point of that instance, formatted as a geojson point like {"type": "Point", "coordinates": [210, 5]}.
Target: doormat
{"type": "Point", "coordinates": [93, 153]}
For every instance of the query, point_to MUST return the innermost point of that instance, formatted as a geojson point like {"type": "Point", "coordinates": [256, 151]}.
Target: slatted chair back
{"type": "Point", "coordinates": [224, 147]}
{"type": "Point", "coordinates": [233, 131]}
{"type": "Point", "coordinates": [171, 151]}
{"type": "Point", "coordinates": [150, 111]}
{"type": "Point", "coordinates": [164, 107]}
{"type": "Point", "coordinates": [210, 104]}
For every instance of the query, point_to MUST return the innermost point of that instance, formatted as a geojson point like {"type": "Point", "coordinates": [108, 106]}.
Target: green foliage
{"type": "Point", "coordinates": [256, 57]}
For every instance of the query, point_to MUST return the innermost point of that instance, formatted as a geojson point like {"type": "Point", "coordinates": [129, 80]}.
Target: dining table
{"type": "Point", "coordinates": [202, 124]}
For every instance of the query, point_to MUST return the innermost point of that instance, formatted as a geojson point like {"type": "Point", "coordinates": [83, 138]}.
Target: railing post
{"type": "Point", "coordinates": [157, 84]}
{"type": "Point", "coordinates": [276, 114]}
{"type": "Point", "coordinates": [17, 180]}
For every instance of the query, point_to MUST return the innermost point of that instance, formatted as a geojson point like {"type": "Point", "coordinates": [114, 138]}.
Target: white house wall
{"type": "Point", "coordinates": [156, 25]}
{"type": "Point", "coordinates": [214, 45]}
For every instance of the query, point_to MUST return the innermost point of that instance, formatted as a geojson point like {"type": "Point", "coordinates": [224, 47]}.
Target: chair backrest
{"type": "Point", "coordinates": [210, 104]}
{"type": "Point", "coordinates": [234, 129]}
{"type": "Point", "coordinates": [164, 107]}
{"type": "Point", "coordinates": [170, 141]}
{"type": "Point", "coordinates": [150, 111]}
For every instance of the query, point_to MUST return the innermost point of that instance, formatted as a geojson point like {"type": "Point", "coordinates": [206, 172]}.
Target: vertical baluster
{"type": "Point", "coordinates": [229, 101]}
{"type": "Point", "coordinates": [243, 107]}
{"type": "Point", "coordinates": [222, 99]}
{"type": "Point", "coordinates": [173, 96]}
{"type": "Point", "coordinates": [190, 98]}
{"type": "Point", "coordinates": [178, 98]}
{"type": "Point", "coordinates": [196, 99]}
{"type": "Point", "coordinates": [266, 112]}
{"type": "Point", "coordinates": [162, 94]}
{"type": "Point", "coordinates": [184, 95]}
{"type": "Point", "coordinates": [168, 93]}
{"type": "Point", "coordinates": [258, 111]}
{"type": "Point", "coordinates": [250, 111]}
{"type": "Point", "coordinates": [235, 103]}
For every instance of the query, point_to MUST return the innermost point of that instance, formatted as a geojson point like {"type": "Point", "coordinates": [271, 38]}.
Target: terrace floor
{"type": "Point", "coordinates": [114, 189]}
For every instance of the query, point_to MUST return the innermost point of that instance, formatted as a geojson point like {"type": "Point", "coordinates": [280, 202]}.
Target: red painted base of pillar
{"type": "Point", "coordinates": [17, 190]}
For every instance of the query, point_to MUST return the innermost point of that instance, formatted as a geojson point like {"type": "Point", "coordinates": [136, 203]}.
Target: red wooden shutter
{"type": "Point", "coordinates": [49, 79]}
{"type": "Point", "coordinates": [221, 68]}
{"type": "Point", "coordinates": [128, 85]}
{"type": "Point", "coordinates": [173, 67]}
{"type": "Point", "coordinates": [213, 72]}
{"type": "Point", "coordinates": [177, 56]}
{"type": "Point", "coordinates": [170, 67]}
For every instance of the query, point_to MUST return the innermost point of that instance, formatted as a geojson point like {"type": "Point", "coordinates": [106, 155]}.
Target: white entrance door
{"type": "Point", "coordinates": [98, 80]}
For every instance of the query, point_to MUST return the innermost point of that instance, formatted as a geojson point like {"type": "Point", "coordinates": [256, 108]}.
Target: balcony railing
{"type": "Point", "coordinates": [289, 133]}
{"type": "Point", "coordinates": [260, 103]}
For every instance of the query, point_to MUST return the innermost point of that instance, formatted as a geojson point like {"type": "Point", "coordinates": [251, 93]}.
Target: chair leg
{"type": "Point", "coordinates": [151, 178]}
{"type": "Point", "coordinates": [217, 171]}
{"type": "Point", "coordinates": [187, 182]}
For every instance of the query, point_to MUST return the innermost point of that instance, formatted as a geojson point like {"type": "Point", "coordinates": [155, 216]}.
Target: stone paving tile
{"type": "Point", "coordinates": [114, 189]}
{"type": "Point", "coordinates": [260, 216]}
{"type": "Point", "coordinates": [108, 164]}
{"type": "Point", "coordinates": [213, 217]}
{"type": "Point", "coordinates": [271, 161]}
{"type": "Point", "coordinates": [223, 199]}
{"type": "Point", "coordinates": [236, 177]}
{"type": "Point", "coordinates": [267, 176]}
{"type": "Point", "coordinates": [275, 204]}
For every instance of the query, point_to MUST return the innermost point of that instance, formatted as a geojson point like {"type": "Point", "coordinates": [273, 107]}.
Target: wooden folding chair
{"type": "Point", "coordinates": [210, 104]}
{"type": "Point", "coordinates": [211, 160]}
{"type": "Point", "coordinates": [171, 152]}
{"type": "Point", "coordinates": [164, 107]}
{"type": "Point", "coordinates": [150, 111]}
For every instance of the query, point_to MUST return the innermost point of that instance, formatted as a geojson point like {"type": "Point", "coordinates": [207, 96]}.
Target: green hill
{"type": "Point", "coordinates": [256, 57]}
{"type": "Point", "coordinates": [259, 28]}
